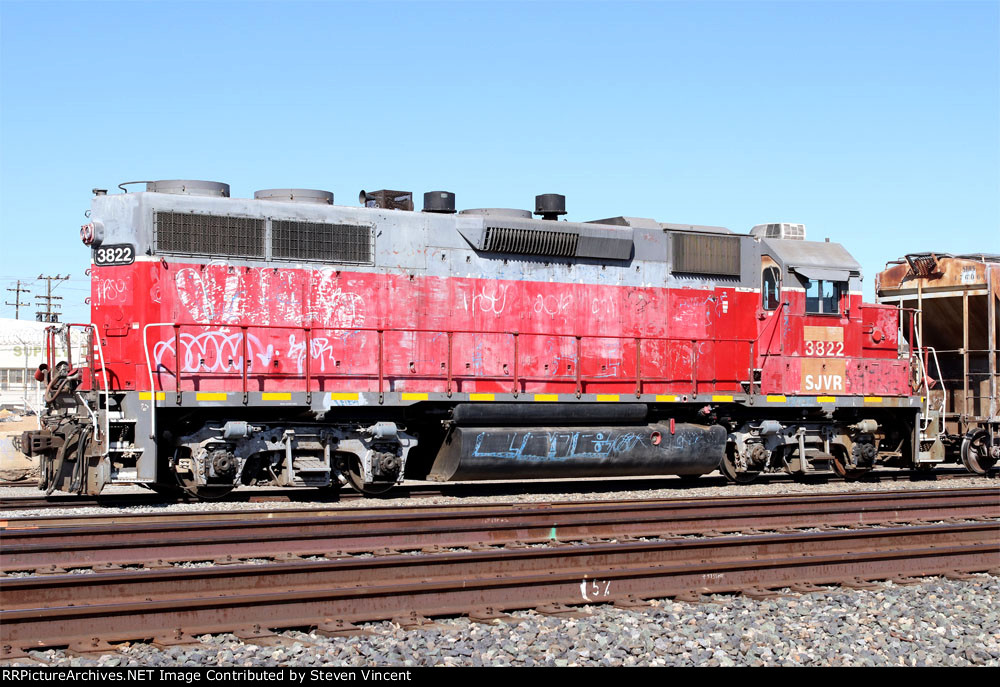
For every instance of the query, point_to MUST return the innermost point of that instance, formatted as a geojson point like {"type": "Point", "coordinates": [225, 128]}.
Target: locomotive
{"type": "Point", "coordinates": [285, 340]}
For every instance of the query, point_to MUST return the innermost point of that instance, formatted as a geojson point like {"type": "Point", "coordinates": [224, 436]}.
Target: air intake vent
{"type": "Point", "coordinates": [193, 234]}
{"type": "Point", "coordinates": [706, 254]}
{"type": "Point", "coordinates": [320, 242]}
{"type": "Point", "coordinates": [530, 241]}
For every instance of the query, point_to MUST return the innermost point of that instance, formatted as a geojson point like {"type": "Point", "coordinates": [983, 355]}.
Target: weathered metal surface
{"type": "Point", "coordinates": [231, 303]}
{"type": "Point", "coordinates": [955, 301]}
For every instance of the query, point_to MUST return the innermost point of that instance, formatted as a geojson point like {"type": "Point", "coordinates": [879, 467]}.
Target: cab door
{"type": "Point", "coordinates": [820, 333]}
{"type": "Point", "coordinates": [772, 319]}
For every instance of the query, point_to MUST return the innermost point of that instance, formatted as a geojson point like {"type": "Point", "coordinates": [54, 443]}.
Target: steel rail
{"type": "Point", "coordinates": [306, 494]}
{"type": "Point", "coordinates": [360, 531]}
{"type": "Point", "coordinates": [128, 517]}
{"type": "Point", "coordinates": [170, 605]}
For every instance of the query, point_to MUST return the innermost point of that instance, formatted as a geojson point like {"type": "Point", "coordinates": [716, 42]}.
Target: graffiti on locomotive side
{"type": "Point", "coordinates": [554, 446]}
{"type": "Point", "coordinates": [491, 298]}
{"type": "Point", "coordinates": [321, 350]}
{"type": "Point", "coordinates": [222, 352]}
{"type": "Point", "coordinates": [334, 306]}
{"type": "Point", "coordinates": [224, 294]}
{"type": "Point", "coordinates": [551, 304]}
{"type": "Point", "coordinates": [213, 351]}
{"type": "Point", "coordinates": [107, 291]}
{"type": "Point", "coordinates": [603, 306]}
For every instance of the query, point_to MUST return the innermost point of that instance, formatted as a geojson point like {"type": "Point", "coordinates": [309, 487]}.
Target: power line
{"type": "Point", "coordinates": [49, 314]}
{"type": "Point", "coordinates": [17, 299]}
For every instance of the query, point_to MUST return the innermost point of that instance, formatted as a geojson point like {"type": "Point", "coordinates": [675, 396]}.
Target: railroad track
{"type": "Point", "coordinates": [171, 606]}
{"type": "Point", "coordinates": [289, 495]}
{"type": "Point", "coordinates": [51, 546]}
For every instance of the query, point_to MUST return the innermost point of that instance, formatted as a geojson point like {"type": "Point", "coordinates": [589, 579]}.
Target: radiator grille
{"type": "Point", "coordinates": [189, 233]}
{"type": "Point", "coordinates": [530, 241]}
{"type": "Point", "coordinates": [701, 254]}
{"type": "Point", "coordinates": [291, 240]}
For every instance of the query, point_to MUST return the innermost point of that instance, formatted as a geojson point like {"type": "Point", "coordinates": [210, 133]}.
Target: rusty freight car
{"type": "Point", "coordinates": [950, 307]}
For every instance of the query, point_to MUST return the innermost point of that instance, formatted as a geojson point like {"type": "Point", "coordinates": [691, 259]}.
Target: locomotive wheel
{"type": "Point", "coordinates": [976, 452]}
{"type": "Point", "coordinates": [213, 493]}
{"type": "Point", "coordinates": [355, 477]}
{"type": "Point", "coordinates": [200, 491]}
{"type": "Point", "coordinates": [728, 468]}
{"type": "Point", "coordinates": [840, 467]}
{"type": "Point", "coordinates": [170, 492]}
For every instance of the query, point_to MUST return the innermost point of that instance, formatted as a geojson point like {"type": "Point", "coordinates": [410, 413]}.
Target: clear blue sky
{"type": "Point", "coordinates": [876, 124]}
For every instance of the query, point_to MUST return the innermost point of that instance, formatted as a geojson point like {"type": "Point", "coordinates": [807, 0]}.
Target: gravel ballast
{"type": "Point", "coordinates": [938, 622]}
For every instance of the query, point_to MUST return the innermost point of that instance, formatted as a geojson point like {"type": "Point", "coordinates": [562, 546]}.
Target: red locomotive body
{"type": "Point", "coordinates": [421, 332]}
{"type": "Point", "coordinates": [279, 341]}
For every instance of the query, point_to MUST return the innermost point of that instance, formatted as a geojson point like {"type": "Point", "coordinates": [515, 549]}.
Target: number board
{"type": "Point", "coordinates": [119, 254]}
{"type": "Point", "coordinates": [823, 341]}
{"type": "Point", "coordinates": [824, 370]}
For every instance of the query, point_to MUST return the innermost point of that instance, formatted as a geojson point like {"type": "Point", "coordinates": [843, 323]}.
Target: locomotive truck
{"type": "Point", "coordinates": [285, 340]}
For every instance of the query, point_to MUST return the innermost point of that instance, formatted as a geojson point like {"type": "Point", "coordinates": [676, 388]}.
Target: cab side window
{"type": "Point", "coordinates": [822, 297]}
{"type": "Point", "coordinates": [770, 291]}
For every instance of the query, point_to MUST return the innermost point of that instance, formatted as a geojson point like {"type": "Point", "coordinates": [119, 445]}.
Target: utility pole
{"type": "Point", "coordinates": [17, 299]}
{"type": "Point", "coordinates": [49, 314]}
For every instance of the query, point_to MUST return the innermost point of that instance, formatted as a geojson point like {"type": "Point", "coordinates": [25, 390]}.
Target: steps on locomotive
{"type": "Point", "coordinates": [311, 472]}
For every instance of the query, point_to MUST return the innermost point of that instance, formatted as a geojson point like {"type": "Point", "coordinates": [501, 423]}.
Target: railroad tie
{"type": "Point", "coordinates": [859, 583]}
{"type": "Point", "coordinates": [760, 594]}
{"type": "Point", "coordinates": [260, 636]}
{"type": "Point", "coordinates": [412, 621]}
{"type": "Point", "coordinates": [561, 611]}
{"type": "Point", "coordinates": [177, 638]}
{"type": "Point", "coordinates": [490, 615]}
{"type": "Point", "coordinates": [631, 601]}
{"type": "Point", "coordinates": [88, 648]}
{"type": "Point", "coordinates": [338, 627]}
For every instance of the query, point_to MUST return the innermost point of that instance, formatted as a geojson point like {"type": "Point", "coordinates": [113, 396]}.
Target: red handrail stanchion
{"type": "Point", "coordinates": [516, 385]}
{"type": "Point", "coordinates": [381, 378]}
{"type": "Point", "coordinates": [448, 387]}
{"type": "Point", "coordinates": [177, 361]}
{"type": "Point", "coordinates": [308, 366]}
{"type": "Point", "coordinates": [245, 363]}
{"type": "Point", "coordinates": [579, 373]}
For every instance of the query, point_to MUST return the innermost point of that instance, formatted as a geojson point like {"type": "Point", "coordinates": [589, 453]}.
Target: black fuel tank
{"type": "Point", "coordinates": [476, 453]}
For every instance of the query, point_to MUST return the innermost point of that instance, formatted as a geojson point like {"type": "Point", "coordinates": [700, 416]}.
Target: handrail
{"type": "Point", "coordinates": [104, 375]}
{"type": "Point", "coordinates": [921, 353]}
{"type": "Point", "coordinates": [451, 377]}
{"type": "Point", "coordinates": [149, 368]}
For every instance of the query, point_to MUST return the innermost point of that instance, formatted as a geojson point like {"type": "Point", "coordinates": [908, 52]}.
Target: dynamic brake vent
{"type": "Point", "coordinates": [530, 241]}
